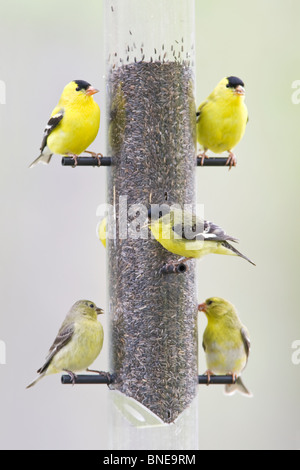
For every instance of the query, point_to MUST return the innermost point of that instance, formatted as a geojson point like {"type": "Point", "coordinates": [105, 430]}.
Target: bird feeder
{"type": "Point", "coordinates": [152, 143]}
{"type": "Point", "coordinates": [151, 160]}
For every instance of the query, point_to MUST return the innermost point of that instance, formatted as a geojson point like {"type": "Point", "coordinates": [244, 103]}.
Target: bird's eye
{"type": "Point", "coordinates": [209, 302]}
{"type": "Point", "coordinates": [92, 305]}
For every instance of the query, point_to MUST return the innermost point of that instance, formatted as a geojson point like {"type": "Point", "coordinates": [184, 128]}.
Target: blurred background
{"type": "Point", "coordinates": [50, 256]}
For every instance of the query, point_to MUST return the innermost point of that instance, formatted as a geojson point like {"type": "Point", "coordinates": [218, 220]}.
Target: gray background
{"type": "Point", "coordinates": [50, 256]}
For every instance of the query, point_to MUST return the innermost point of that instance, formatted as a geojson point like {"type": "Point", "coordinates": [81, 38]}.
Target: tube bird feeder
{"type": "Point", "coordinates": [151, 120]}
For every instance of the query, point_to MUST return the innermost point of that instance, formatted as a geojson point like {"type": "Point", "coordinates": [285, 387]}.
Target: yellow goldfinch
{"type": "Point", "coordinates": [226, 342]}
{"type": "Point", "coordinates": [222, 118]}
{"type": "Point", "coordinates": [184, 234]}
{"type": "Point", "coordinates": [101, 231]}
{"type": "Point", "coordinates": [77, 344]}
{"type": "Point", "coordinates": [73, 125]}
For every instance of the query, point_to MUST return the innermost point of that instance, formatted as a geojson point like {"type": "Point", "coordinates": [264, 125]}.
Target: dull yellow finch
{"type": "Point", "coordinates": [226, 342]}
{"type": "Point", "coordinates": [77, 344]}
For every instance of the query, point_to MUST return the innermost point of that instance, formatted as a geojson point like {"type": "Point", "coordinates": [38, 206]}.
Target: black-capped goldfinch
{"type": "Point", "coordinates": [222, 118]}
{"type": "Point", "coordinates": [226, 342]}
{"type": "Point", "coordinates": [182, 233]}
{"type": "Point", "coordinates": [77, 344]}
{"type": "Point", "coordinates": [73, 125]}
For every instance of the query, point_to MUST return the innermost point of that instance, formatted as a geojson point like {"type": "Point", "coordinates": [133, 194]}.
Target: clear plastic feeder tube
{"type": "Point", "coordinates": [151, 121]}
{"type": "Point", "coordinates": [150, 31]}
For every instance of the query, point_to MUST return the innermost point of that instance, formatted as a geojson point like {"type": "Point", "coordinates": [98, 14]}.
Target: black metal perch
{"type": "Point", "coordinates": [107, 161]}
{"type": "Point", "coordinates": [213, 161]}
{"type": "Point", "coordinates": [86, 161]}
{"type": "Point", "coordinates": [105, 378]}
{"type": "Point", "coordinates": [108, 379]}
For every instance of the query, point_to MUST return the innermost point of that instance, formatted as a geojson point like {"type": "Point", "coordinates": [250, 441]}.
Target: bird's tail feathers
{"type": "Point", "coordinates": [230, 389]}
{"type": "Point", "coordinates": [39, 377]}
{"type": "Point", "coordinates": [44, 158]}
{"type": "Point", "coordinates": [231, 239]}
{"type": "Point", "coordinates": [236, 252]}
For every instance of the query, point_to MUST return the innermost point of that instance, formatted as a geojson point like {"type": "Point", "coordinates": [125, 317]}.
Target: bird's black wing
{"type": "Point", "coordinates": [198, 113]}
{"type": "Point", "coordinates": [52, 123]}
{"type": "Point", "coordinates": [201, 230]}
{"type": "Point", "coordinates": [215, 233]}
{"type": "Point", "coordinates": [64, 336]}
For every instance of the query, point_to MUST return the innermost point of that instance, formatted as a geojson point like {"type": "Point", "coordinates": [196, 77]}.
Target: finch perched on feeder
{"type": "Point", "coordinates": [226, 342]}
{"type": "Point", "coordinates": [73, 125]}
{"type": "Point", "coordinates": [77, 344]}
{"type": "Point", "coordinates": [222, 119]}
{"type": "Point", "coordinates": [182, 233]}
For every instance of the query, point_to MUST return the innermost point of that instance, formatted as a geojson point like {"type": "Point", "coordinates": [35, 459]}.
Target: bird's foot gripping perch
{"type": "Point", "coordinates": [208, 373]}
{"type": "Point", "coordinates": [73, 376]}
{"type": "Point", "coordinates": [98, 156]}
{"type": "Point", "coordinates": [75, 158]}
{"type": "Point", "coordinates": [109, 377]}
{"type": "Point", "coordinates": [231, 160]}
{"type": "Point", "coordinates": [203, 156]}
{"type": "Point", "coordinates": [234, 377]}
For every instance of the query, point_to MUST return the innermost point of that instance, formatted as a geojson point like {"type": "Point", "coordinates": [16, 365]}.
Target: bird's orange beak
{"type": "Point", "coordinates": [202, 307]}
{"type": "Point", "coordinates": [91, 91]}
{"type": "Point", "coordinates": [239, 90]}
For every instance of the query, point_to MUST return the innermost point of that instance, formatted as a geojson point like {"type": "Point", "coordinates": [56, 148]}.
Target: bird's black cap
{"type": "Point", "coordinates": [82, 85]}
{"type": "Point", "coordinates": [233, 82]}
